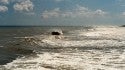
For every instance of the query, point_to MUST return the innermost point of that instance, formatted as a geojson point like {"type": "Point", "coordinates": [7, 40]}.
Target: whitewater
{"type": "Point", "coordinates": [78, 48]}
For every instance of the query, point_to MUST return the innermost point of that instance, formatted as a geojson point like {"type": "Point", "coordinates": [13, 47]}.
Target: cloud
{"type": "Point", "coordinates": [85, 12]}
{"type": "Point", "coordinates": [4, 1]}
{"type": "Point", "coordinates": [24, 6]}
{"type": "Point", "coordinates": [100, 12]}
{"type": "Point", "coordinates": [78, 12]}
{"type": "Point", "coordinates": [53, 13]}
{"type": "Point", "coordinates": [3, 9]}
{"type": "Point", "coordinates": [123, 13]}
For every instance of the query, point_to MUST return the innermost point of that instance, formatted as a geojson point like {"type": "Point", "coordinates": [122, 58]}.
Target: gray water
{"type": "Point", "coordinates": [79, 48]}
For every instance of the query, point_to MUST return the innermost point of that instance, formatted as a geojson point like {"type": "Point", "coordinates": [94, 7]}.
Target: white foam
{"type": "Point", "coordinates": [85, 43]}
{"type": "Point", "coordinates": [91, 60]}
{"type": "Point", "coordinates": [1, 46]}
{"type": "Point", "coordinates": [117, 33]}
{"type": "Point", "coordinates": [86, 60]}
{"type": "Point", "coordinates": [106, 37]}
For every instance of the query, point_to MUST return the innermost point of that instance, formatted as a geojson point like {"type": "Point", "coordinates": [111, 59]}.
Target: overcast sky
{"type": "Point", "coordinates": [62, 12]}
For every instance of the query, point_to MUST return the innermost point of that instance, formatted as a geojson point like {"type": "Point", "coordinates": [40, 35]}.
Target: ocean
{"type": "Point", "coordinates": [77, 48]}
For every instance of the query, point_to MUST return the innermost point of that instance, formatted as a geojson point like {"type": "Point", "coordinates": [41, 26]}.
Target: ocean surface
{"type": "Point", "coordinates": [78, 48]}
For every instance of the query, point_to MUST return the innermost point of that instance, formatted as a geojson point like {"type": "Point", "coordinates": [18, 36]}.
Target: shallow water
{"type": "Point", "coordinates": [79, 48]}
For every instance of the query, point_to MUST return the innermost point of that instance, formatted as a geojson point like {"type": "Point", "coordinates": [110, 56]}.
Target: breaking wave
{"type": "Point", "coordinates": [94, 38]}
{"type": "Point", "coordinates": [92, 48]}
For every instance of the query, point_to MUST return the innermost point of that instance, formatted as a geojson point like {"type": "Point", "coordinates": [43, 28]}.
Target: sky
{"type": "Point", "coordinates": [62, 12]}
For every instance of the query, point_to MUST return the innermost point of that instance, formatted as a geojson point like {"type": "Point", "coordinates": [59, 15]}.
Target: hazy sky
{"type": "Point", "coordinates": [62, 12]}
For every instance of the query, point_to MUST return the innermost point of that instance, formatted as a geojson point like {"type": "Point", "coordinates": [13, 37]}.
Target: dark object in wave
{"type": "Point", "coordinates": [122, 26]}
{"type": "Point", "coordinates": [56, 32]}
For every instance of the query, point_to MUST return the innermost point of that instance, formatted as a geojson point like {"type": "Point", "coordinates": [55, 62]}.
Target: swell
{"type": "Point", "coordinates": [98, 38]}
{"type": "Point", "coordinates": [70, 41]}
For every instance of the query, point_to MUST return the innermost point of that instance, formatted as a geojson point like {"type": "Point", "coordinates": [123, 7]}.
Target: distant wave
{"type": "Point", "coordinates": [100, 37]}
{"type": "Point", "coordinates": [92, 48]}
{"type": "Point", "coordinates": [85, 38]}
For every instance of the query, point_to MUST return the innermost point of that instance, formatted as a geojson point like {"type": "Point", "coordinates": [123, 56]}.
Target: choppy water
{"type": "Point", "coordinates": [79, 48]}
